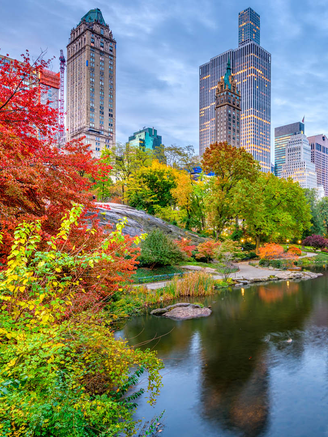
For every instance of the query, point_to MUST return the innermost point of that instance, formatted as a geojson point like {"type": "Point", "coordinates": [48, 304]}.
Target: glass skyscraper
{"type": "Point", "coordinates": [248, 26]}
{"type": "Point", "coordinates": [251, 68]}
{"type": "Point", "coordinates": [282, 136]}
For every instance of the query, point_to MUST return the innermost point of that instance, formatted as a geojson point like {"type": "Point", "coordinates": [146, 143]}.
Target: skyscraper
{"type": "Point", "coordinates": [251, 68]}
{"type": "Point", "coordinates": [282, 136]}
{"type": "Point", "coordinates": [91, 82]}
{"type": "Point", "coordinates": [298, 165]}
{"type": "Point", "coordinates": [319, 156]}
{"type": "Point", "coordinates": [227, 110]}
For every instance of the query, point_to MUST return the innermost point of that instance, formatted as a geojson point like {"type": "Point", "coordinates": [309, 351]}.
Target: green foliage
{"type": "Point", "coordinates": [150, 187]}
{"type": "Point", "coordinates": [317, 213]}
{"type": "Point", "coordinates": [159, 250]}
{"type": "Point", "coordinates": [226, 253]}
{"type": "Point", "coordinates": [61, 372]}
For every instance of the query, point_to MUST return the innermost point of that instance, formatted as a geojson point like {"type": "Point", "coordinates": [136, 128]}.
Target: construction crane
{"type": "Point", "coordinates": [61, 98]}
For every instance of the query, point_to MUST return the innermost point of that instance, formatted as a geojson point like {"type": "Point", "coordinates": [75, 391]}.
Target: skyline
{"type": "Point", "coordinates": [159, 86]}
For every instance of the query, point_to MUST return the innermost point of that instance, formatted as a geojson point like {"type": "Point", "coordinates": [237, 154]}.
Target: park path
{"type": "Point", "coordinates": [246, 272]}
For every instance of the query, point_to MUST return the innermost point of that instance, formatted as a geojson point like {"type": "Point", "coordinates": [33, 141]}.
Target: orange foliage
{"type": "Point", "coordinates": [271, 251]}
{"type": "Point", "coordinates": [184, 246]}
{"type": "Point", "coordinates": [207, 249]}
{"type": "Point", "coordinates": [294, 251]}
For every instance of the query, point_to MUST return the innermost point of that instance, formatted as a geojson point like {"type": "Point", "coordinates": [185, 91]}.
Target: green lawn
{"type": "Point", "coordinates": [144, 272]}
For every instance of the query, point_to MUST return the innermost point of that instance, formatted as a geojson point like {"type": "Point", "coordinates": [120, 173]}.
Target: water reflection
{"type": "Point", "coordinates": [234, 373]}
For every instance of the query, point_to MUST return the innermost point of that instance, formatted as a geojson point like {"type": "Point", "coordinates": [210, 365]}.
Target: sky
{"type": "Point", "coordinates": [162, 43]}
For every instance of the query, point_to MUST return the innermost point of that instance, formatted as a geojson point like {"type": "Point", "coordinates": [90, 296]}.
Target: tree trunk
{"type": "Point", "coordinates": [257, 239]}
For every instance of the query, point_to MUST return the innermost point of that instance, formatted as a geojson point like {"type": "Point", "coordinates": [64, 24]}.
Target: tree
{"type": "Point", "coordinates": [316, 241]}
{"type": "Point", "coordinates": [179, 157]}
{"type": "Point", "coordinates": [323, 211]}
{"type": "Point", "coordinates": [189, 196]}
{"type": "Point", "coordinates": [272, 208]}
{"type": "Point", "coordinates": [317, 218]}
{"type": "Point", "coordinates": [150, 187]}
{"type": "Point", "coordinates": [37, 179]}
{"type": "Point", "coordinates": [126, 161]}
{"type": "Point", "coordinates": [230, 165]}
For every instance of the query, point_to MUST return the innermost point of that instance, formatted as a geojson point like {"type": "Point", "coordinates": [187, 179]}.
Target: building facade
{"type": "Point", "coordinates": [298, 165]}
{"type": "Point", "coordinates": [91, 83]}
{"type": "Point", "coordinates": [282, 136]}
{"type": "Point", "coordinates": [319, 156]}
{"type": "Point", "coordinates": [251, 69]}
{"type": "Point", "coordinates": [227, 110]}
{"type": "Point", "coordinates": [50, 82]}
{"type": "Point", "coordinates": [146, 138]}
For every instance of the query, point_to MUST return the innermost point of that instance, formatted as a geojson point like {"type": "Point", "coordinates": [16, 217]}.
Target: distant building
{"type": "Point", "coordinates": [282, 136]}
{"type": "Point", "coordinates": [248, 27]}
{"type": "Point", "coordinates": [50, 82]}
{"type": "Point", "coordinates": [319, 156]}
{"type": "Point", "coordinates": [227, 110]}
{"type": "Point", "coordinates": [146, 138]}
{"type": "Point", "coordinates": [298, 165]}
{"type": "Point", "coordinates": [251, 68]}
{"type": "Point", "coordinates": [91, 83]}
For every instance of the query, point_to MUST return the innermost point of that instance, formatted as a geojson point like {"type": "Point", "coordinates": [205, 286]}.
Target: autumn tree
{"type": "Point", "coordinates": [230, 165]}
{"type": "Point", "coordinates": [272, 208]}
{"type": "Point", "coordinates": [150, 187]}
{"type": "Point", "coordinates": [38, 180]}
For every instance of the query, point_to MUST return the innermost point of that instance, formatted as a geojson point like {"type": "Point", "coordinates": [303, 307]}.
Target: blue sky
{"type": "Point", "coordinates": [161, 43]}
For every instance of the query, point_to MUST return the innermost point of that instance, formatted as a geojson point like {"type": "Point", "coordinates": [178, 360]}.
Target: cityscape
{"type": "Point", "coordinates": [88, 70]}
{"type": "Point", "coordinates": [164, 218]}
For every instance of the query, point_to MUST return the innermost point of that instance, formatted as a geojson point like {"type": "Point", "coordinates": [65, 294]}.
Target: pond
{"type": "Point", "coordinates": [237, 372]}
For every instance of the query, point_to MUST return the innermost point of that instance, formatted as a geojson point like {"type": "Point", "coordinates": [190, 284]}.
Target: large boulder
{"type": "Point", "coordinates": [182, 311]}
{"type": "Point", "coordinates": [140, 222]}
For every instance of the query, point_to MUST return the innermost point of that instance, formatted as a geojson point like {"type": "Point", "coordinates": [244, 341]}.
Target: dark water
{"type": "Point", "coordinates": [234, 374]}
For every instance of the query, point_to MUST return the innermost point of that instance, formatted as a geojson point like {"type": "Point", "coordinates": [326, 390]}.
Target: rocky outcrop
{"type": "Point", "coordinates": [182, 311]}
{"type": "Point", "coordinates": [140, 222]}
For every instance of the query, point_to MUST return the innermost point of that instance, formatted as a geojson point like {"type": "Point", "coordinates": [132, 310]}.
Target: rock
{"type": "Point", "coordinates": [186, 313]}
{"type": "Point", "coordinates": [139, 222]}
{"type": "Point", "coordinates": [158, 311]}
{"type": "Point", "coordinates": [182, 311]}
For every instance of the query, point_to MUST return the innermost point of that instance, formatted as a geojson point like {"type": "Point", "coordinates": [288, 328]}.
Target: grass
{"type": "Point", "coordinates": [143, 272]}
{"type": "Point", "coordinates": [197, 263]}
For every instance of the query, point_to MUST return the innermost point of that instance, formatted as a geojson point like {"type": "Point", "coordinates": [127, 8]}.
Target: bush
{"type": "Point", "coordinates": [159, 250]}
{"type": "Point", "coordinates": [264, 262]}
{"type": "Point", "coordinates": [271, 251]}
{"type": "Point", "coordinates": [248, 246]}
{"type": "Point", "coordinates": [185, 246]}
{"type": "Point", "coordinates": [316, 241]}
{"type": "Point", "coordinates": [62, 371]}
{"type": "Point", "coordinates": [206, 250]}
{"type": "Point", "coordinates": [294, 251]}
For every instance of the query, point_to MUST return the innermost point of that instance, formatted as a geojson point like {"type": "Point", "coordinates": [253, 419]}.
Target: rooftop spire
{"type": "Point", "coordinates": [227, 75]}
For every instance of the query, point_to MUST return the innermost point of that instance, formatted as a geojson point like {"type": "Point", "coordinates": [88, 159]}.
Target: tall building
{"type": "Point", "coordinates": [91, 82]}
{"type": "Point", "coordinates": [298, 165]}
{"type": "Point", "coordinates": [227, 110]}
{"type": "Point", "coordinates": [248, 27]}
{"type": "Point", "coordinates": [282, 136]}
{"type": "Point", "coordinates": [50, 82]}
{"type": "Point", "coordinates": [319, 156]}
{"type": "Point", "coordinates": [251, 68]}
{"type": "Point", "coordinates": [146, 138]}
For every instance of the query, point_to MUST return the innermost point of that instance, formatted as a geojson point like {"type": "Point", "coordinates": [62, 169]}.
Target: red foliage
{"type": "Point", "coordinates": [294, 251]}
{"type": "Point", "coordinates": [271, 251]}
{"type": "Point", "coordinates": [185, 246]}
{"type": "Point", "coordinates": [38, 180]}
{"type": "Point", "coordinates": [207, 250]}
{"type": "Point", "coordinates": [316, 241]}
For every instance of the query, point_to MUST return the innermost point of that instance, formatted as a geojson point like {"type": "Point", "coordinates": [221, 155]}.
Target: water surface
{"type": "Point", "coordinates": [234, 373]}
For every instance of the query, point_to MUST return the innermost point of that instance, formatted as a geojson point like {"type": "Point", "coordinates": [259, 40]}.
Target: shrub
{"type": "Point", "coordinates": [159, 250]}
{"type": "Point", "coordinates": [264, 262]}
{"type": "Point", "coordinates": [271, 251]}
{"type": "Point", "coordinates": [62, 370]}
{"type": "Point", "coordinates": [316, 241]}
{"type": "Point", "coordinates": [185, 246]}
{"type": "Point", "coordinates": [206, 250]}
{"type": "Point", "coordinates": [248, 246]}
{"type": "Point", "coordinates": [293, 250]}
